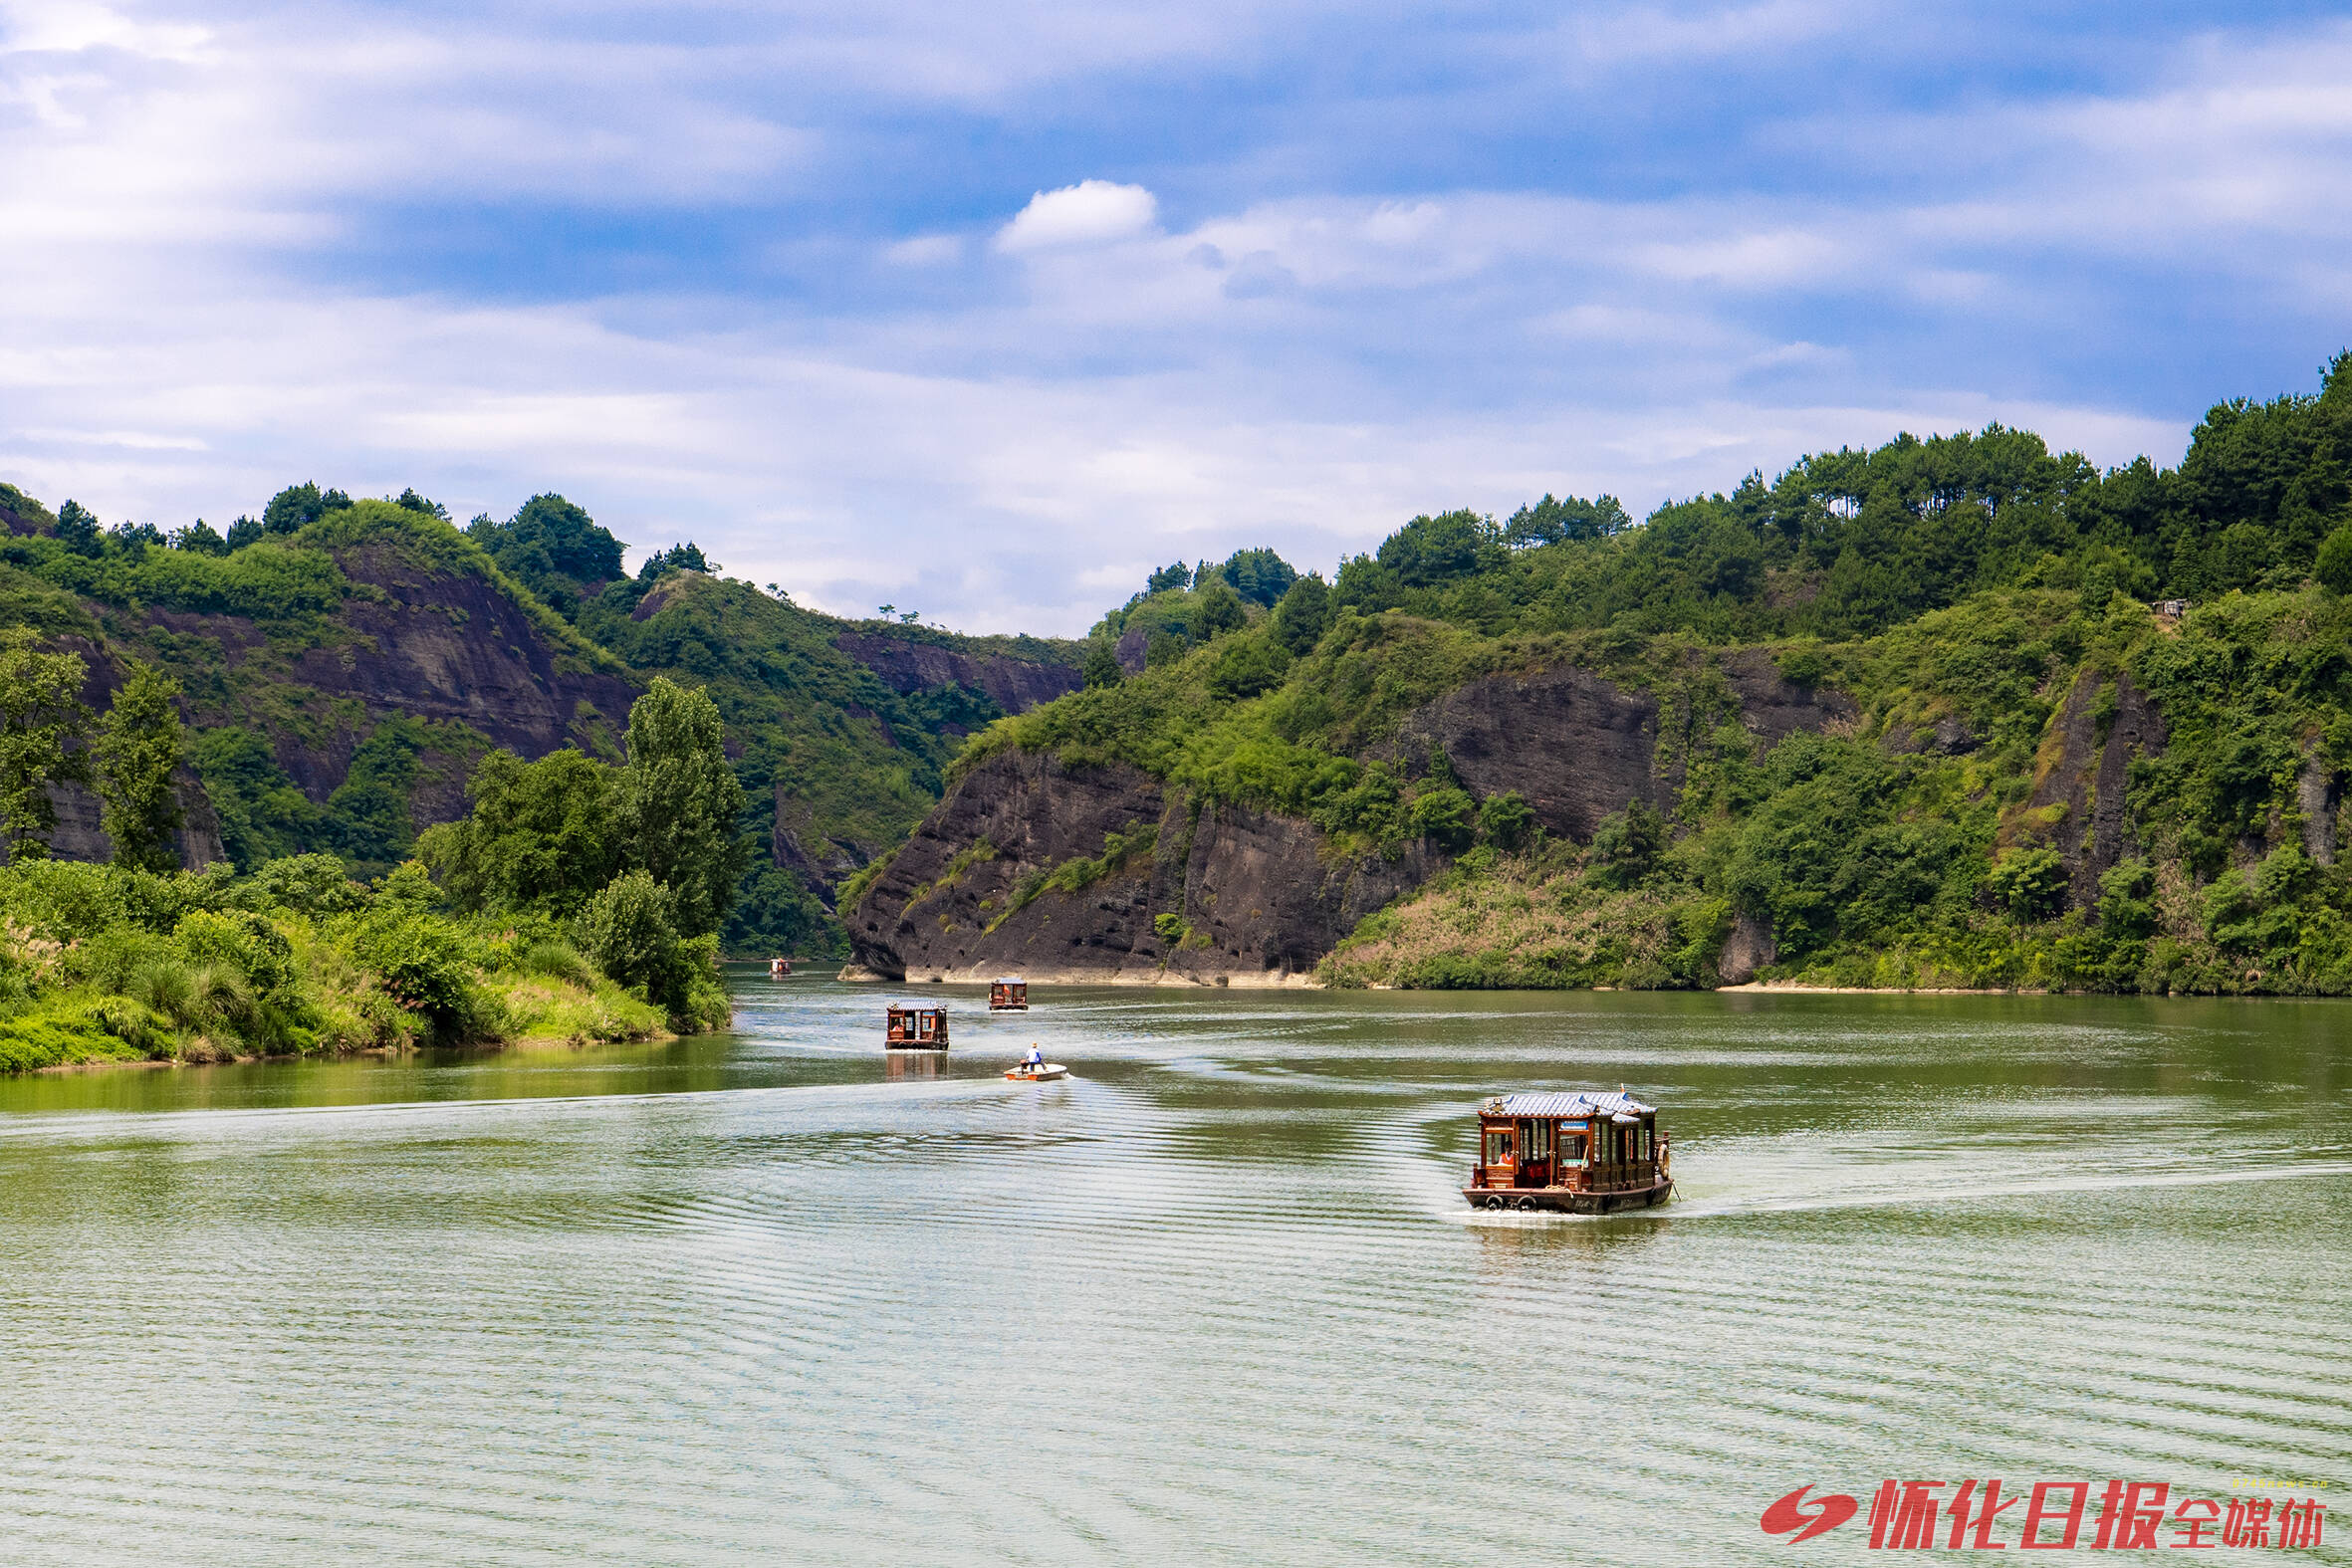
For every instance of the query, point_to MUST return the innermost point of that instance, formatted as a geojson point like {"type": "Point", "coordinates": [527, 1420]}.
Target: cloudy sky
{"type": "Point", "coordinates": [985, 311]}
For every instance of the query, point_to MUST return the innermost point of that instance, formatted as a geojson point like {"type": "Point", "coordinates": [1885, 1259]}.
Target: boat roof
{"type": "Point", "coordinates": [1011, 980]}
{"type": "Point", "coordinates": [1584, 1102]}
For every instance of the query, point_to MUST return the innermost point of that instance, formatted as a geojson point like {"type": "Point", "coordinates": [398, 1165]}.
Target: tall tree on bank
{"type": "Point", "coordinates": [540, 835]}
{"type": "Point", "coordinates": [679, 802]}
{"type": "Point", "coordinates": [40, 712]}
{"type": "Point", "coordinates": [140, 745]}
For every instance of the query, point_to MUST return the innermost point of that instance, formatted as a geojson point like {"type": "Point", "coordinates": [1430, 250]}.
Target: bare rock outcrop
{"type": "Point", "coordinates": [1574, 744]}
{"type": "Point", "coordinates": [1230, 895]}
{"type": "Point", "coordinates": [906, 666]}
{"type": "Point", "coordinates": [2079, 804]}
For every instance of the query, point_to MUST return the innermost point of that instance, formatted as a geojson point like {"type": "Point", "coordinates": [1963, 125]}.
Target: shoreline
{"type": "Point", "coordinates": [855, 973]}
{"type": "Point", "coordinates": [526, 1042]}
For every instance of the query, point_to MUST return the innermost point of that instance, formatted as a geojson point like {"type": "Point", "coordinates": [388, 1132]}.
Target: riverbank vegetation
{"type": "Point", "coordinates": [1983, 611]}
{"type": "Point", "coordinates": [577, 901]}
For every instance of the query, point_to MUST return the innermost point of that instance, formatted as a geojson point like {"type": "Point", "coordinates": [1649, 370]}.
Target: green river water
{"type": "Point", "coordinates": [768, 1299]}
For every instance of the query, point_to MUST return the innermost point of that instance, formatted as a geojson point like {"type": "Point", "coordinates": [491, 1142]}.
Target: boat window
{"type": "Point", "coordinates": [1498, 1144]}
{"type": "Point", "coordinates": [1573, 1148]}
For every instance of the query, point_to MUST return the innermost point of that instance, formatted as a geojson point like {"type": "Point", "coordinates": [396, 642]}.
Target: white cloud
{"type": "Point", "coordinates": [925, 250]}
{"type": "Point", "coordinates": [1303, 369]}
{"type": "Point", "coordinates": [1088, 213]}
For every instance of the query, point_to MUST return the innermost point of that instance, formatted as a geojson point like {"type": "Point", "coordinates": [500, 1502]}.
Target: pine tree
{"type": "Point", "coordinates": [140, 745]}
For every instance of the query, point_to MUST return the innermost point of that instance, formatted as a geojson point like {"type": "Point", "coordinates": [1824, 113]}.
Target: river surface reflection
{"type": "Point", "coordinates": [758, 1298]}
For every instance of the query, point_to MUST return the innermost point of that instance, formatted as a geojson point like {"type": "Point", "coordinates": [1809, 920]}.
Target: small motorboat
{"type": "Point", "coordinates": [1040, 1073]}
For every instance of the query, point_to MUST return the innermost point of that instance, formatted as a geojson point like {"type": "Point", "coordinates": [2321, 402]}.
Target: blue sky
{"type": "Point", "coordinates": [984, 312]}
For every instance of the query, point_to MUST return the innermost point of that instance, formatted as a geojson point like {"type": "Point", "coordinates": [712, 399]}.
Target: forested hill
{"type": "Point", "coordinates": [1918, 715]}
{"type": "Point", "coordinates": [345, 665]}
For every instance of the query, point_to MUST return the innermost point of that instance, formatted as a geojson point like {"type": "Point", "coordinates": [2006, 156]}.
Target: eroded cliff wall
{"type": "Point", "coordinates": [1011, 872]}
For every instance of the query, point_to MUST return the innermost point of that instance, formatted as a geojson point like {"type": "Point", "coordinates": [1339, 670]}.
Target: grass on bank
{"type": "Point", "coordinates": [100, 963]}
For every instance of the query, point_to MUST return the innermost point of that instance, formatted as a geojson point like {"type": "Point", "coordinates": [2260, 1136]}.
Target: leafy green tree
{"type": "Point", "coordinates": [689, 558]}
{"type": "Point", "coordinates": [542, 835]}
{"type": "Point", "coordinates": [140, 745]}
{"type": "Point", "coordinates": [1102, 665]}
{"type": "Point", "coordinates": [1162, 648]}
{"type": "Point", "coordinates": [1447, 816]}
{"type": "Point", "coordinates": [1304, 615]}
{"type": "Point", "coordinates": [1220, 611]}
{"type": "Point", "coordinates": [1248, 666]}
{"type": "Point", "coordinates": [298, 506]}
{"type": "Point", "coordinates": [1551, 522]}
{"type": "Point", "coordinates": [311, 884]}
{"type": "Point", "coordinates": [1259, 575]}
{"type": "Point", "coordinates": [242, 533]}
{"type": "Point", "coordinates": [2029, 883]}
{"type": "Point", "coordinates": [554, 548]}
{"type": "Point", "coordinates": [2333, 568]}
{"type": "Point", "coordinates": [1507, 822]}
{"type": "Point", "coordinates": [1629, 843]}
{"type": "Point", "coordinates": [678, 803]}
{"type": "Point", "coordinates": [199, 538]}
{"type": "Point", "coordinates": [411, 500]}
{"type": "Point", "coordinates": [1435, 549]}
{"type": "Point", "coordinates": [78, 530]}
{"type": "Point", "coordinates": [629, 930]}
{"type": "Point", "coordinates": [40, 713]}
{"type": "Point", "coordinates": [263, 817]}
{"type": "Point", "coordinates": [1174, 575]}
{"type": "Point", "coordinates": [368, 819]}
{"type": "Point", "coordinates": [2127, 911]}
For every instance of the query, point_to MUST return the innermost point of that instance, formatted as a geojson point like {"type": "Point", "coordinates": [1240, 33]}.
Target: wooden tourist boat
{"type": "Point", "coordinates": [1587, 1153]}
{"type": "Point", "coordinates": [1007, 994]}
{"type": "Point", "coordinates": [916, 1028]}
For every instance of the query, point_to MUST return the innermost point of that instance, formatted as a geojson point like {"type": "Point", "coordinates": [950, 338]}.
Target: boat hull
{"type": "Point", "coordinates": [1567, 1201]}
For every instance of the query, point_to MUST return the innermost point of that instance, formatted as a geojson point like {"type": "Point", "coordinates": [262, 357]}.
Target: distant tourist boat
{"type": "Point", "coordinates": [1588, 1153]}
{"type": "Point", "coordinates": [778, 968]}
{"type": "Point", "coordinates": [916, 1028]}
{"type": "Point", "coordinates": [1007, 994]}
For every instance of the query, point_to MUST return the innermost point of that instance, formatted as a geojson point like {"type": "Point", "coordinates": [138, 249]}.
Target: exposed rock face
{"type": "Point", "coordinates": [1234, 896]}
{"type": "Point", "coordinates": [2137, 731]}
{"type": "Point", "coordinates": [2320, 796]}
{"type": "Point", "coordinates": [1773, 707]}
{"type": "Point", "coordinates": [905, 666]}
{"type": "Point", "coordinates": [1132, 650]}
{"type": "Point", "coordinates": [2082, 776]}
{"type": "Point", "coordinates": [1576, 746]}
{"type": "Point", "coordinates": [821, 864]}
{"type": "Point", "coordinates": [1255, 898]}
{"type": "Point", "coordinates": [453, 648]}
{"type": "Point", "coordinates": [1748, 949]}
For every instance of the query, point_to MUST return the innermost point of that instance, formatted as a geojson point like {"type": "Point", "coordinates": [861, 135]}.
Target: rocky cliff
{"type": "Point", "coordinates": [908, 666]}
{"type": "Point", "coordinates": [1102, 874]}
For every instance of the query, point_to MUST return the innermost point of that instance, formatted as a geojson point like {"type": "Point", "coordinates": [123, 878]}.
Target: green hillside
{"type": "Point", "coordinates": [1985, 608]}
{"type": "Point", "coordinates": [346, 665]}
